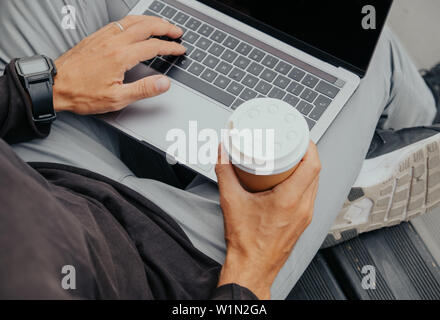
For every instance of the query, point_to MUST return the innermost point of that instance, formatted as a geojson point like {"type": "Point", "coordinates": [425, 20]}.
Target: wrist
{"type": "Point", "coordinates": [59, 104]}
{"type": "Point", "coordinates": [244, 272]}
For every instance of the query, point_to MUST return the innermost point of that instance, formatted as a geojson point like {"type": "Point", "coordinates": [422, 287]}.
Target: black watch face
{"type": "Point", "coordinates": [33, 65]}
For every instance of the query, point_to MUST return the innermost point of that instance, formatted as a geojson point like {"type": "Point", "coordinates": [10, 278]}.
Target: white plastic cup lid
{"type": "Point", "coordinates": [266, 136]}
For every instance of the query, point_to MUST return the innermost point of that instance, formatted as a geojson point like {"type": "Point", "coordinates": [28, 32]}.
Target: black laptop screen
{"type": "Point", "coordinates": [331, 30]}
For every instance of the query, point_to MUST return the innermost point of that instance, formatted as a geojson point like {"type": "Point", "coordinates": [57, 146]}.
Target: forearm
{"type": "Point", "coordinates": [16, 124]}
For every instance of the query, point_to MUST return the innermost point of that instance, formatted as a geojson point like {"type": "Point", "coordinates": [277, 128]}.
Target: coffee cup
{"type": "Point", "coordinates": [265, 139]}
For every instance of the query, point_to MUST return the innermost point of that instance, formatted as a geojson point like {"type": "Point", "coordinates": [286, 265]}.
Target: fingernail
{"type": "Point", "coordinates": [162, 84]}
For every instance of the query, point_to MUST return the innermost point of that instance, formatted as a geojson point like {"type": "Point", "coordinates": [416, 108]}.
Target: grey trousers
{"type": "Point", "coordinates": [392, 90]}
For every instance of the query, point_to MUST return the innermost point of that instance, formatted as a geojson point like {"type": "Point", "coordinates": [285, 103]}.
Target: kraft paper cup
{"type": "Point", "coordinates": [266, 139]}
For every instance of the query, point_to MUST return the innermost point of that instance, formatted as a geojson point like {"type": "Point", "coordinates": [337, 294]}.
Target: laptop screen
{"type": "Point", "coordinates": [342, 32]}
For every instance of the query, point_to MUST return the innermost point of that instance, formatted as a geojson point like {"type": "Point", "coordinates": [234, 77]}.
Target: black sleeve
{"type": "Point", "coordinates": [233, 292]}
{"type": "Point", "coordinates": [16, 124]}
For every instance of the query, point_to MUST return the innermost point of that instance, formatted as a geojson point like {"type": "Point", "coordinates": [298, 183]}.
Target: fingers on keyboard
{"type": "Point", "coordinates": [231, 71]}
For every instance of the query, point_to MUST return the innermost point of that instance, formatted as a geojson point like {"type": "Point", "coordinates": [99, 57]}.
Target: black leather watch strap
{"type": "Point", "coordinates": [42, 101]}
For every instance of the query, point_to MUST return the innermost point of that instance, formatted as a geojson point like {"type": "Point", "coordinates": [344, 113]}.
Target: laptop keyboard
{"type": "Point", "coordinates": [231, 71]}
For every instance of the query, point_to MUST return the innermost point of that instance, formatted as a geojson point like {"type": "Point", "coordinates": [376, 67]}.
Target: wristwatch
{"type": "Point", "coordinates": [37, 75]}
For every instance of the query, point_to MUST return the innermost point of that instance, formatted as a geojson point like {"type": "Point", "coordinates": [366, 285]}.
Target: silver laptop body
{"type": "Point", "coordinates": [316, 88]}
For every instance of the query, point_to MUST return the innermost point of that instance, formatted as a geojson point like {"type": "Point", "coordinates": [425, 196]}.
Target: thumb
{"type": "Point", "coordinates": [146, 88]}
{"type": "Point", "coordinates": [227, 179]}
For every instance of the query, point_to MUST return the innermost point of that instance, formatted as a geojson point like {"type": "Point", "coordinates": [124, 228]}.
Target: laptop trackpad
{"type": "Point", "coordinates": [180, 108]}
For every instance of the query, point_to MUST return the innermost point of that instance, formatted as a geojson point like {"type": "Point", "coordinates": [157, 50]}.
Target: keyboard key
{"type": "Point", "coordinates": [165, 38]}
{"type": "Point", "coordinates": [242, 62]}
{"type": "Point", "coordinates": [277, 93]}
{"type": "Point", "coordinates": [160, 65]}
{"type": "Point", "coordinates": [311, 123]}
{"type": "Point", "coordinates": [295, 88]}
{"type": "Point", "coordinates": [190, 37]}
{"type": "Point", "coordinates": [340, 83]}
{"type": "Point", "coordinates": [255, 69]}
{"type": "Point", "coordinates": [309, 95]}
{"type": "Point", "coordinates": [216, 49]}
{"type": "Point", "coordinates": [270, 61]}
{"type": "Point", "coordinates": [203, 43]}
{"type": "Point", "coordinates": [237, 74]}
{"type": "Point", "coordinates": [268, 75]}
{"type": "Point", "coordinates": [148, 62]}
{"type": "Point", "coordinates": [292, 100]}
{"type": "Point", "coordinates": [218, 36]}
{"type": "Point", "coordinates": [229, 56]}
{"type": "Point", "coordinates": [168, 12]}
{"type": "Point", "coordinates": [256, 55]}
{"type": "Point", "coordinates": [235, 88]}
{"type": "Point", "coordinates": [297, 74]}
{"type": "Point", "coordinates": [209, 75]}
{"type": "Point", "coordinates": [151, 13]}
{"type": "Point", "coordinates": [189, 48]}
{"type": "Point", "coordinates": [248, 94]}
{"type": "Point", "coordinates": [170, 58]}
{"type": "Point", "coordinates": [177, 40]}
{"type": "Point", "coordinates": [237, 103]}
{"type": "Point", "coordinates": [157, 6]}
{"type": "Point", "coordinates": [183, 62]}
{"type": "Point", "coordinates": [310, 81]}
{"type": "Point", "coordinates": [250, 81]}
{"type": "Point", "coordinates": [201, 86]}
{"type": "Point", "coordinates": [181, 18]}
{"type": "Point", "coordinates": [222, 82]}
{"type": "Point", "coordinates": [281, 82]}
{"type": "Point", "coordinates": [231, 42]}
{"type": "Point", "coordinates": [206, 30]}
{"type": "Point", "coordinates": [193, 24]}
{"type": "Point", "coordinates": [322, 101]}
{"type": "Point", "coordinates": [198, 55]}
{"type": "Point", "coordinates": [224, 68]}
{"type": "Point", "coordinates": [263, 87]}
{"type": "Point", "coordinates": [196, 68]}
{"type": "Point", "coordinates": [244, 49]}
{"type": "Point", "coordinates": [211, 61]}
{"type": "Point", "coordinates": [327, 89]}
{"type": "Point", "coordinates": [283, 67]}
{"type": "Point", "coordinates": [304, 108]}
{"type": "Point", "coordinates": [317, 113]}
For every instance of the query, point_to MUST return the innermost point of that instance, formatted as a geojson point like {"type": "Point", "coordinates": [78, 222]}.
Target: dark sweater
{"type": "Point", "coordinates": [121, 245]}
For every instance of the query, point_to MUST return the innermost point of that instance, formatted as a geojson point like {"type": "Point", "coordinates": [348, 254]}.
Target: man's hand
{"type": "Point", "coordinates": [90, 76]}
{"type": "Point", "coordinates": [262, 229]}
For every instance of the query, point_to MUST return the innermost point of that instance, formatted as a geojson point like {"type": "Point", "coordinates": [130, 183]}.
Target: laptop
{"type": "Point", "coordinates": [311, 54]}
